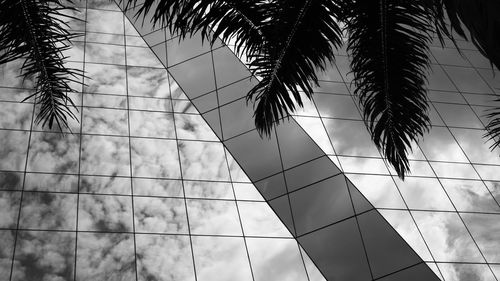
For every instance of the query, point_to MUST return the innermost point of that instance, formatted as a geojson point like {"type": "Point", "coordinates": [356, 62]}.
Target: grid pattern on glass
{"type": "Point", "coordinates": [292, 173]}
{"type": "Point", "coordinates": [449, 205]}
{"type": "Point", "coordinates": [142, 189]}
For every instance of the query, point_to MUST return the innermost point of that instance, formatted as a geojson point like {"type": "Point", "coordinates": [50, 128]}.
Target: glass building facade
{"type": "Point", "coordinates": [165, 177]}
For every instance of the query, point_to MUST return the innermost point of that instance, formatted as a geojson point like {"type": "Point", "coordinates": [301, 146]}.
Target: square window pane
{"type": "Point", "coordinates": [105, 185]}
{"type": "Point", "coordinates": [221, 259]}
{"type": "Point", "coordinates": [157, 187]}
{"type": "Point", "coordinates": [48, 211]}
{"type": "Point", "coordinates": [13, 147]}
{"type": "Point", "coordinates": [210, 190]}
{"type": "Point", "coordinates": [15, 115]}
{"type": "Point", "coordinates": [104, 53]}
{"type": "Point", "coordinates": [160, 215]}
{"type": "Point", "coordinates": [152, 124]}
{"type": "Point", "coordinates": [105, 121]}
{"type": "Point", "coordinates": [164, 257]}
{"type": "Point", "coordinates": [53, 152]}
{"type": "Point", "coordinates": [42, 255]}
{"type": "Point", "coordinates": [106, 79]}
{"type": "Point", "coordinates": [105, 255]}
{"type": "Point", "coordinates": [9, 208]}
{"type": "Point", "coordinates": [213, 217]}
{"type": "Point", "coordinates": [203, 161]}
{"type": "Point", "coordinates": [105, 213]}
{"type": "Point", "coordinates": [148, 82]}
{"type": "Point", "coordinates": [155, 158]}
{"type": "Point", "coordinates": [103, 155]}
{"type": "Point", "coordinates": [259, 219]}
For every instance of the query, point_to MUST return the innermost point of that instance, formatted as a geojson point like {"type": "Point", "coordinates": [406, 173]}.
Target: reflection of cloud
{"type": "Point", "coordinates": [105, 213]}
{"type": "Point", "coordinates": [48, 211]}
{"type": "Point", "coordinates": [105, 257]}
{"type": "Point", "coordinates": [149, 82]}
{"type": "Point", "coordinates": [15, 115]}
{"type": "Point", "coordinates": [13, 147]}
{"type": "Point", "coordinates": [155, 158]}
{"type": "Point", "coordinates": [9, 208]}
{"type": "Point", "coordinates": [160, 215]}
{"type": "Point", "coordinates": [164, 258]}
{"type": "Point", "coordinates": [476, 272]}
{"type": "Point", "coordinates": [194, 127]}
{"type": "Point", "coordinates": [105, 79]}
{"type": "Point", "coordinates": [213, 217]}
{"type": "Point", "coordinates": [203, 161]}
{"type": "Point", "coordinates": [44, 256]}
{"type": "Point", "coordinates": [221, 259]}
{"type": "Point", "coordinates": [53, 152]}
{"type": "Point", "coordinates": [276, 259]}
{"type": "Point", "coordinates": [103, 155]}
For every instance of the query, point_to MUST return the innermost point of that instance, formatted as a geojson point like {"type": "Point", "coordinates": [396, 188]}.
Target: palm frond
{"type": "Point", "coordinates": [230, 19]}
{"type": "Point", "coordinates": [302, 36]}
{"type": "Point", "coordinates": [36, 32]}
{"type": "Point", "coordinates": [388, 43]}
{"type": "Point", "coordinates": [493, 127]}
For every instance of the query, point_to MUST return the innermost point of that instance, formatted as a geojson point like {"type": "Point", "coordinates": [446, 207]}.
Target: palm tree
{"type": "Point", "coordinates": [288, 40]}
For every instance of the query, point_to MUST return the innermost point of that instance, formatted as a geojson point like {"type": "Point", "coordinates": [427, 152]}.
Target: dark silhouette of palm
{"type": "Point", "coordinates": [287, 41]}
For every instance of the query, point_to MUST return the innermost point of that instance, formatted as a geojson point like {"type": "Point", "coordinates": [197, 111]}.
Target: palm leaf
{"type": "Point", "coordinates": [388, 44]}
{"type": "Point", "coordinates": [35, 31]}
{"type": "Point", "coordinates": [301, 36]}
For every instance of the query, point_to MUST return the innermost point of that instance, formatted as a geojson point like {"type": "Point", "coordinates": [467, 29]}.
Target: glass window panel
{"type": "Point", "coordinates": [157, 187]}
{"type": "Point", "coordinates": [447, 237]}
{"type": "Point", "coordinates": [213, 217]}
{"type": "Point", "coordinates": [449, 56]}
{"type": "Point", "coordinates": [138, 56]}
{"type": "Point", "coordinates": [363, 165]}
{"type": "Point", "coordinates": [196, 75]}
{"type": "Point", "coordinates": [104, 53]}
{"type": "Point", "coordinates": [193, 127]}
{"type": "Point", "coordinates": [454, 170]}
{"type": "Point", "coordinates": [13, 147]}
{"type": "Point", "coordinates": [485, 228]}
{"type": "Point", "coordinates": [103, 155]}
{"type": "Point", "coordinates": [381, 191]}
{"type": "Point", "coordinates": [272, 187]}
{"type": "Point", "coordinates": [151, 124]}
{"type": "Point", "coordinates": [15, 115]}
{"type": "Point", "coordinates": [11, 94]}
{"type": "Point", "coordinates": [290, 136]}
{"type": "Point", "coordinates": [6, 248]}
{"type": "Point", "coordinates": [477, 148]}
{"type": "Point", "coordinates": [105, 256]}
{"type": "Point", "coordinates": [150, 104]}
{"type": "Point", "coordinates": [470, 195]}
{"type": "Point", "coordinates": [455, 115]}
{"type": "Point", "coordinates": [160, 215]}
{"type": "Point", "coordinates": [350, 138]}
{"type": "Point", "coordinates": [247, 191]}
{"type": "Point", "coordinates": [53, 152]}
{"type": "Point", "coordinates": [51, 182]}
{"type": "Point", "coordinates": [48, 211]}
{"type": "Point", "coordinates": [315, 128]}
{"type": "Point", "coordinates": [164, 257]}
{"type": "Point", "coordinates": [343, 257]}
{"type": "Point", "coordinates": [385, 248]}
{"type": "Point", "coordinates": [101, 5]}
{"type": "Point", "coordinates": [105, 121]}
{"type": "Point", "coordinates": [103, 38]}
{"type": "Point", "coordinates": [417, 169]}
{"type": "Point", "coordinates": [98, 100]}
{"type": "Point", "coordinates": [258, 219]}
{"type": "Point", "coordinates": [105, 185]}
{"type": "Point", "coordinates": [276, 259]}
{"type": "Point", "coordinates": [228, 68]}
{"type": "Point", "coordinates": [312, 271]}
{"type": "Point", "coordinates": [439, 145]}
{"type": "Point", "coordinates": [235, 91]}
{"type": "Point", "coordinates": [221, 259]}
{"type": "Point", "coordinates": [321, 204]}
{"type": "Point", "coordinates": [106, 79]}
{"type": "Point", "coordinates": [492, 78]}
{"type": "Point", "coordinates": [236, 118]}
{"type": "Point", "coordinates": [9, 208]}
{"type": "Point", "coordinates": [179, 51]}
{"type": "Point", "coordinates": [203, 161]}
{"type": "Point", "coordinates": [155, 158]}
{"type": "Point", "coordinates": [210, 190]}
{"type": "Point", "coordinates": [104, 21]}
{"type": "Point", "coordinates": [11, 181]}
{"type": "Point", "coordinates": [467, 79]}
{"type": "Point", "coordinates": [105, 213]}
{"type": "Point", "coordinates": [44, 255]}
{"type": "Point", "coordinates": [155, 37]}
{"type": "Point", "coordinates": [403, 223]}
{"type": "Point", "coordinates": [449, 97]}
{"type": "Point", "coordinates": [148, 82]}
{"type": "Point", "coordinates": [488, 172]}
{"type": "Point", "coordinates": [331, 74]}
{"type": "Point", "coordinates": [185, 106]}
{"type": "Point", "coordinates": [424, 194]}
{"type": "Point", "coordinates": [480, 99]}
{"type": "Point", "coordinates": [336, 106]}
{"type": "Point", "coordinates": [310, 172]}
{"type": "Point", "coordinates": [438, 80]}
{"type": "Point", "coordinates": [456, 271]}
